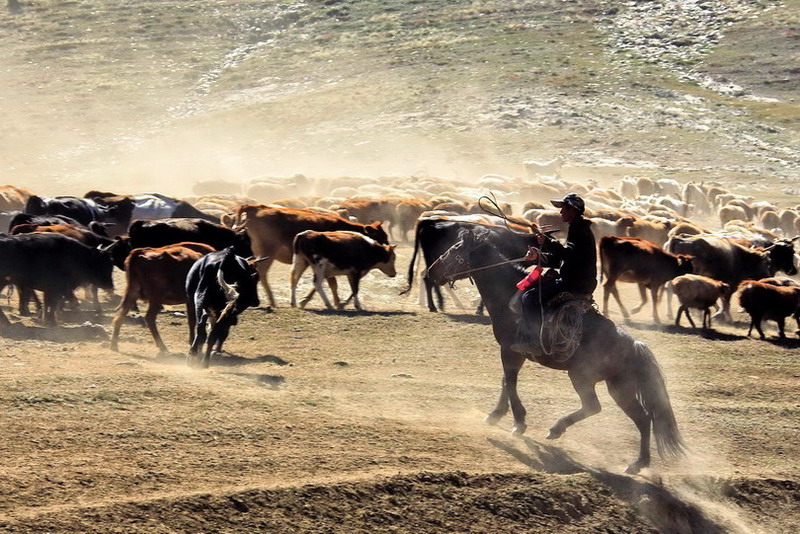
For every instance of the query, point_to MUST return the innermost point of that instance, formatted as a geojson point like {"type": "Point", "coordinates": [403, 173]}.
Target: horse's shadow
{"type": "Point", "coordinates": [270, 381]}
{"type": "Point", "coordinates": [648, 496]}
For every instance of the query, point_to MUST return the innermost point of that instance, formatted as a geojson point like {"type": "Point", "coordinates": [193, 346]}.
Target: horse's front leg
{"type": "Point", "coordinates": [512, 363]}
{"type": "Point", "coordinates": [589, 405]}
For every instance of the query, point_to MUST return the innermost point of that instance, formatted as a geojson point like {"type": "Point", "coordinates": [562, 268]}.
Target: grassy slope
{"type": "Point", "coordinates": [149, 92]}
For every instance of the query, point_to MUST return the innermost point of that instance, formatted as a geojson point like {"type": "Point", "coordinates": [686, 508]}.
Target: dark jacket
{"type": "Point", "coordinates": [576, 260]}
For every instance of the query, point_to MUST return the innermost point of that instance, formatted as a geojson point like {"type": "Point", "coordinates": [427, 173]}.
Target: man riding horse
{"type": "Point", "coordinates": [577, 263]}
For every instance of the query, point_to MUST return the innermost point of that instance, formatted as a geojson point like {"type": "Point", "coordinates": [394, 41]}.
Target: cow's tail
{"type": "Point", "coordinates": [410, 280]}
{"type": "Point", "coordinates": [231, 291]}
{"type": "Point", "coordinates": [238, 220]}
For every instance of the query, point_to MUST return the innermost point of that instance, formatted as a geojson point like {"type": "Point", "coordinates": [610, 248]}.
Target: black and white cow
{"type": "Point", "coordinates": [219, 286]}
{"type": "Point", "coordinates": [338, 253]}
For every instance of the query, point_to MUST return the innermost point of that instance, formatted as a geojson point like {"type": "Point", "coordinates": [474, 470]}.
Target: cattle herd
{"type": "Point", "coordinates": [701, 242]}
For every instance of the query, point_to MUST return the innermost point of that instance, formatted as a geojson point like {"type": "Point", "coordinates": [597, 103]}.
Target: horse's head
{"type": "Point", "coordinates": [454, 263]}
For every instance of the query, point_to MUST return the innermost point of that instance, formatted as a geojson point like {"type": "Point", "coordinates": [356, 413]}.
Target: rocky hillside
{"type": "Point", "coordinates": [159, 94]}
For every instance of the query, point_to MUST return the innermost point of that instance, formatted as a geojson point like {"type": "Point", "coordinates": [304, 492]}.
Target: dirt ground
{"type": "Point", "coordinates": [315, 421]}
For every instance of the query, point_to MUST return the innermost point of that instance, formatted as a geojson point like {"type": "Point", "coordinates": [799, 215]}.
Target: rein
{"type": "Point", "coordinates": [461, 260]}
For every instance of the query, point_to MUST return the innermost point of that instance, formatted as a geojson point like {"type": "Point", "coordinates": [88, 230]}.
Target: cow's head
{"type": "Point", "coordinates": [101, 268]}
{"type": "Point", "coordinates": [376, 232]}
{"type": "Point", "coordinates": [685, 265]}
{"type": "Point", "coordinates": [781, 255]}
{"type": "Point", "coordinates": [387, 267]}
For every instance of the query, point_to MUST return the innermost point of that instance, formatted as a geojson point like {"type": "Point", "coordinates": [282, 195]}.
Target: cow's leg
{"type": "Point", "coordinates": [610, 287]}
{"type": "Point", "coordinates": [681, 310]}
{"type": "Point", "coordinates": [756, 321]}
{"type": "Point", "coordinates": [333, 284]}
{"type": "Point", "coordinates": [688, 316]}
{"type": "Point", "coordinates": [707, 318]}
{"type": "Point", "coordinates": [305, 300]}
{"type": "Point", "coordinates": [128, 302]}
{"type": "Point", "coordinates": [429, 288]}
{"type": "Point", "coordinates": [191, 319]}
{"type": "Point", "coordinates": [354, 280]}
{"type": "Point", "coordinates": [200, 335]}
{"type": "Point", "coordinates": [643, 297]}
{"type": "Point", "coordinates": [654, 296]}
{"type": "Point", "coordinates": [223, 330]}
{"type": "Point", "coordinates": [91, 292]}
{"type": "Point", "coordinates": [781, 324]}
{"type": "Point", "coordinates": [725, 311]}
{"type": "Point", "coordinates": [299, 266]}
{"type": "Point", "coordinates": [319, 276]}
{"type": "Point", "coordinates": [51, 302]}
{"type": "Point", "coordinates": [25, 297]}
{"type": "Point", "coordinates": [150, 321]}
{"type": "Point", "coordinates": [456, 302]}
{"type": "Point", "coordinates": [263, 268]}
{"type": "Point", "coordinates": [212, 337]}
{"type": "Point", "coordinates": [668, 290]}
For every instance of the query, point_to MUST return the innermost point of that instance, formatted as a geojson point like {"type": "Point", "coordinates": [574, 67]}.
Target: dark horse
{"type": "Point", "coordinates": [605, 352]}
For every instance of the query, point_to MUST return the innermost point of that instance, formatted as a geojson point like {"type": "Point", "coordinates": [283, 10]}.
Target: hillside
{"type": "Point", "coordinates": [159, 94]}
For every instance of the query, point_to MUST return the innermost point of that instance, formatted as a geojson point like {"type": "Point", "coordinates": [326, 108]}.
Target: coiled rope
{"type": "Point", "coordinates": [561, 331]}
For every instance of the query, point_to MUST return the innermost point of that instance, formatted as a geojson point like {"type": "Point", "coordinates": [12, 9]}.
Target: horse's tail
{"type": "Point", "coordinates": [652, 394]}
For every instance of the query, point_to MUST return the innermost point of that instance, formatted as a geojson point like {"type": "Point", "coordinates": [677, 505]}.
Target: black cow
{"type": "Point", "coordinates": [219, 286]}
{"type": "Point", "coordinates": [81, 209]}
{"type": "Point", "coordinates": [52, 263]}
{"type": "Point", "coordinates": [41, 220]}
{"type": "Point", "coordinates": [147, 206]}
{"type": "Point", "coordinates": [163, 232]}
{"type": "Point", "coordinates": [435, 234]}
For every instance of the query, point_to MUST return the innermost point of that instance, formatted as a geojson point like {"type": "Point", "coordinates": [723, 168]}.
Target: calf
{"type": "Point", "coordinates": [701, 292]}
{"type": "Point", "coordinates": [272, 231]}
{"type": "Point", "coordinates": [219, 287]}
{"type": "Point", "coordinates": [630, 259]}
{"type": "Point", "coordinates": [763, 300]}
{"type": "Point", "coordinates": [338, 253]}
{"type": "Point", "coordinates": [157, 275]}
{"type": "Point", "coordinates": [52, 263]}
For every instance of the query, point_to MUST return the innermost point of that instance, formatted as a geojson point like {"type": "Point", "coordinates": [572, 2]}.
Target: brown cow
{"type": "Point", "coordinates": [369, 210]}
{"type": "Point", "coordinates": [157, 275]}
{"type": "Point", "coordinates": [631, 259]}
{"type": "Point", "coordinates": [767, 301]}
{"type": "Point", "coordinates": [336, 253]}
{"type": "Point", "coordinates": [13, 198]}
{"type": "Point", "coordinates": [272, 231]}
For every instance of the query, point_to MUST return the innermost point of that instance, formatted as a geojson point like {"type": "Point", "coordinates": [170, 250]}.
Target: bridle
{"type": "Point", "coordinates": [461, 258]}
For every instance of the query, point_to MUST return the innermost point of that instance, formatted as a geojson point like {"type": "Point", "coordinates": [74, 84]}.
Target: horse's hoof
{"type": "Point", "coordinates": [635, 467]}
{"type": "Point", "coordinates": [519, 429]}
{"type": "Point", "coordinates": [554, 434]}
{"type": "Point", "coordinates": [492, 419]}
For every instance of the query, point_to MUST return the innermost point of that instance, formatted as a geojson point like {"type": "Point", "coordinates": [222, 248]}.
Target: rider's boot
{"type": "Point", "coordinates": [527, 338]}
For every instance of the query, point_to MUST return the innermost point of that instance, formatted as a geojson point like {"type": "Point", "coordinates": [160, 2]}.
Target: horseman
{"type": "Point", "coordinates": [577, 264]}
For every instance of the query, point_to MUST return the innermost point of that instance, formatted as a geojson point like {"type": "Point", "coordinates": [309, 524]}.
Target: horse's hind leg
{"type": "Point", "coordinates": [624, 394]}
{"type": "Point", "coordinates": [512, 363]}
{"type": "Point", "coordinates": [589, 406]}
